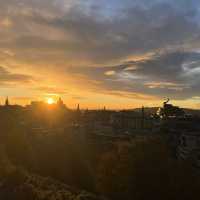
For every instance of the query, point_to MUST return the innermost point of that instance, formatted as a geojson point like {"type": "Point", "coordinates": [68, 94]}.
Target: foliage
{"type": "Point", "coordinates": [124, 169]}
{"type": "Point", "coordinates": [145, 169]}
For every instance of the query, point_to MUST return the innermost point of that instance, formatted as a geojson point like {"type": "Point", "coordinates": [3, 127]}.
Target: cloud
{"type": "Point", "coordinates": [83, 29]}
{"type": "Point", "coordinates": [166, 85]}
{"type": "Point", "coordinates": [169, 73]}
{"type": "Point", "coordinates": [109, 73]}
{"type": "Point", "coordinates": [99, 41]}
{"type": "Point", "coordinates": [6, 23]}
{"type": "Point", "coordinates": [52, 90]}
{"type": "Point", "coordinates": [130, 95]}
{"type": "Point", "coordinates": [7, 77]}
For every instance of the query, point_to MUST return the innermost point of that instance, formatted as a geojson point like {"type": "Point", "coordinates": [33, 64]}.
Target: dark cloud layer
{"type": "Point", "coordinates": [134, 30]}
{"type": "Point", "coordinates": [99, 33]}
{"type": "Point", "coordinates": [173, 74]}
{"type": "Point", "coordinates": [7, 77]}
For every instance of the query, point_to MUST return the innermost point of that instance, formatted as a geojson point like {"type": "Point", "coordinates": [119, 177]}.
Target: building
{"type": "Point", "coordinates": [170, 111]}
{"type": "Point", "coordinates": [184, 138]}
{"type": "Point", "coordinates": [129, 121]}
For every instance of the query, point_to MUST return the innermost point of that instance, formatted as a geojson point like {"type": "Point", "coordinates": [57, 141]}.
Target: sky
{"type": "Point", "coordinates": [118, 54]}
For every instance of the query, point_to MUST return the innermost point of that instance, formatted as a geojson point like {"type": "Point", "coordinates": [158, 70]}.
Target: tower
{"type": "Point", "coordinates": [78, 108]}
{"type": "Point", "coordinates": [143, 113]}
{"type": "Point", "coordinates": [60, 102]}
{"type": "Point", "coordinates": [7, 102]}
{"type": "Point", "coordinates": [143, 117]}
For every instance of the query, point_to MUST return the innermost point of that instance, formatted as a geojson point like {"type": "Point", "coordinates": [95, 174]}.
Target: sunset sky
{"type": "Point", "coordinates": [113, 53]}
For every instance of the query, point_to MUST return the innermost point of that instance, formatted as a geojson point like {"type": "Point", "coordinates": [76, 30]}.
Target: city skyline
{"type": "Point", "coordinates": [118, 54]}
{"type": "Point", "coordinates": [54, 102]}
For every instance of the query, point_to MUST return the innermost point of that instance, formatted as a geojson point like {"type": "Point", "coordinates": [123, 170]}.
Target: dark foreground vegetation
{"type": "Point", "coordinates": [65, 166]}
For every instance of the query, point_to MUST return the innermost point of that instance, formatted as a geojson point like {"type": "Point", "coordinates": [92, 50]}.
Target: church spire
{"type": "Point", "coordinates": [60, 102]}
{"type": "Point", "coordinates": [7, 102]}
{"type": "Point", "coordinates": [78, 108]}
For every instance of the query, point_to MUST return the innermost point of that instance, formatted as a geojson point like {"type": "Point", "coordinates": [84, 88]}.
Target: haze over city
{"type": "Point", "coordinates": [99, 100]}
{"type": "Point", "coordinates": [118, 54]}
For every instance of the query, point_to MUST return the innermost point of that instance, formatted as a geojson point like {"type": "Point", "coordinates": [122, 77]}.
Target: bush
{"type": "Point", "coordinates": [143, 170]}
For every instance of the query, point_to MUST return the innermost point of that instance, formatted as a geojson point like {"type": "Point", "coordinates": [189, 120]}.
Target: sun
{"type": "Point", "coordinates": [50, 101]}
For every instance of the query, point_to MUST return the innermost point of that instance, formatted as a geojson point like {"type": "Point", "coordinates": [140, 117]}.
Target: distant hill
{"type": "Point", "coordinates": [147, 110]}
{"type": "Point", "coordinates": [153, 110]}
{"type": "Point", "coordinates": [192, 111]}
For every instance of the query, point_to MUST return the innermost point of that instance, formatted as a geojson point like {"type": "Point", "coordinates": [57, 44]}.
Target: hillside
{"type": "Point", "coordinates": [152, 110]}
{"type": "Point", "coordinates": [22, 185]}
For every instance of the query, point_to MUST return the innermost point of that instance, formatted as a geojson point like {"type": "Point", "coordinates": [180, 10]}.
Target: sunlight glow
{"type": "Point", "coordinates": [50, 101]}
